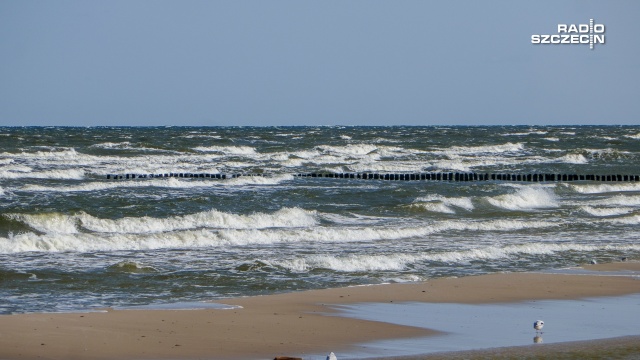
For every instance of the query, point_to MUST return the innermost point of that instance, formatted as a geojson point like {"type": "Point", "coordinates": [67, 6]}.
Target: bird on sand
{"type": "Point", "coordinates": [538, 325]}
{"type": "Point", "coordinates": [332, 356]}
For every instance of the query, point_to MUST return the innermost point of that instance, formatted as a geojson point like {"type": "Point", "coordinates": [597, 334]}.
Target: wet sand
{"type": "Point", "coordinates": [627, 347]}
{"type": "Point", "coordinates": [293, 324]}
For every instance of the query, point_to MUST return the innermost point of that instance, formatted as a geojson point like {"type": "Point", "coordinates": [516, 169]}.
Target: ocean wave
{"type": "Point", "coordinates": [604, 188]}
{"type": "Point", "coordinates": [442, 204]}
{"type": "Point", "coordinates": [50, 223]}
{"type": "Point", "coordinates": [526, 198]}
{"type": "Point", "coordinates": [126, 145]}
{"type": "Point", "coordinates": [620, 200]}
{"type": "Point", "coordinates": [63, 153]}
{"type": "Point", "coordinates": [634, 136]}
{"type": "Point", "coordinates": [606, 211]}
{"type": "Point", "coordinates": [368, 151]}
{"type": "Point", "coordinates": [161, 183]}
{"type": "Point", "coordinates": [573, 159]}
{"type": "Point", "coordinates": [527, 133]}
{"type": "Point", "coordinates": [228, 150]}
{"type": "Point", "coordinates": [400, 261]}
{"type": "Point", "coordinates": [386, 166]}
{"type": "Point", "coordinates": [284, 218]}
{"type": "Point", "coordinates": [485, 149]}
{"type": "Point", "coordinates": [628, 220]}
{"type": "Point", "coordinates": [206, 238]}
{"type": "Point", "coordinates": [112, 145]}
{"type": "Point", "coordinates": [607, 154]}
{"type": "Point", "coordinates": [66, 174]}
{"type": "Point", "coordinates": [133, 267]}
{"type": "Point", "coordinates": [109, 164]}
{"type": "Point", "coordinates": [55, 223]}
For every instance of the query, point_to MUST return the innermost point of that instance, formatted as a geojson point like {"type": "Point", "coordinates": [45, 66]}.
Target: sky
{"type": "Point", "coordinates": [347, 62]}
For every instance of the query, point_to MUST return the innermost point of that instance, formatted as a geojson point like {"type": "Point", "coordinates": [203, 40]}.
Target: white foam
{"type": "Point", "coordinates": [284, 218]}
{"type": "Point", "coordinates": [629, 220]}
{"type": "Point", "coordinates": [604, 188]}
{"type": "Point", "coordinates": [634, 136]}
{"type": "Point", "coordinates": [54, 223]}
{"type": "Point", "coordinates": [400, 261]}
{"type": "Point", "coordinates": [201, 238]}
{"type": "Point", "coordinates": [258, 180]}
{"type": "Point", "coordinates": [620, 200]}
{"type": "Point", "coordinates": [608, 153]}
{"type": "Point", "coordinates": [56, 153]}
{"type": "Point", "coordinates": [111, 145]}
{"type": "Point", "coordinates": [51, 223]}
{"type": "Point", "coordinates": [228, 150]}
{"type": "Point", "coordinates": [606, 211]}
{"type": "Point", "coordinates": [382, 166]}
{"type": "Point", "coordinates": [573, 159]}
{"type": "Point", "coordinates": [486, 149]}
{"type": "Point", "coordinates": [352, 263]}
{"type": "Point", "coordinates": [532, 132]}
{"type": "Point", "coordinates": [66, 174]}
{"type": "Point", "coordinates": [527, 198]}
{"type": "Point", "coordinates": [161, 183]}
{"type": "Point", "coordinates": [102, 165]}
{"type": "Point", "coordinates": [366, 151]}
{"type": "Point", "coordinates": [442, 204]}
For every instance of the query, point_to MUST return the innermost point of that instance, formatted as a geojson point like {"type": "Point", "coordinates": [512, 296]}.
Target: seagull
{"type": "Point", "coordinates": [538, 326]}
{"type": "Point", "coordinates": [332, 356]}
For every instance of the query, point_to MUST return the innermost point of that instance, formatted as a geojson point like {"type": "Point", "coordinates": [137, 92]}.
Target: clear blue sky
{"type": "Point", "coordinates": [369, 62]}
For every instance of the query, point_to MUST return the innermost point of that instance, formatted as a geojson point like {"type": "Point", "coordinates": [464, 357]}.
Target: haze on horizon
{"type": "Point", "coordinates": [260, 63]}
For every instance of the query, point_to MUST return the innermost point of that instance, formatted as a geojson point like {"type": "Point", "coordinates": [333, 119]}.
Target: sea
{"type": "Point", "coordinates": [72, 239]}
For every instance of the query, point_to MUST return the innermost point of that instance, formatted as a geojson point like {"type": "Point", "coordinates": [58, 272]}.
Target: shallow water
{"type": "Point", "coordinates": [471, 327]}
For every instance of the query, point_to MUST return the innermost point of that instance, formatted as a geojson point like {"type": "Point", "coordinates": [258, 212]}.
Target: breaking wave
{"type": "Point", "coordinates": [400, 261]}
{"type": "Point", "coordinates": [67, 174]}
{"type": "Point", "coordinates": [228, 150]}
{"type": "Point", "coordinates": [628, 220]}
{"type": "Point", "coordinates": [528, 198]}
{"type": "Point", "coordinates": [604, 188]}
{"type": "Point", "coordinates": [161, 183]}
{"type": "Point", "coordinates": [606, 211]}
{"type": "Point", "coordinates": [53, 223]}
{"type": "Point", "coordinates": [69, 239]}
{"type": "Point", "coordinates": [573, 159]}
{"type": "Point", "coordinates": [443, 204]}
{"type": "Point", "coordinates": [486, 149]}
{"type": "Point", "coordinates": [620, 200]}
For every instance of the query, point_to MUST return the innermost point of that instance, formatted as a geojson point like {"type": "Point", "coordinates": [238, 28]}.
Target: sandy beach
{"type": "Point", "coordinates": [293, 324]}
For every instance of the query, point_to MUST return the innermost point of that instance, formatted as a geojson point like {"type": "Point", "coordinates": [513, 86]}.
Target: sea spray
{"type": "Point", "coordinates": [526, 199]}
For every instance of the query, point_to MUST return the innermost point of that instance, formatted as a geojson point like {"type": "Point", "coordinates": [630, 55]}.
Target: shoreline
{"type": "Point", "coordinates": [291, 324]}
{"type": "Point", "coordinates": [625, 347]}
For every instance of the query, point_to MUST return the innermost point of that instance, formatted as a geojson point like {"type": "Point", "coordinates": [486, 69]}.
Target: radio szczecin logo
{"type": "Point", "coordinates": [584, 34]}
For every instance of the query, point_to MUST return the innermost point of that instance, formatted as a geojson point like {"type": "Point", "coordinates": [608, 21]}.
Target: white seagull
{"type": "Point", "coordinates": [332, 356]}
{"type": "Point", "coordinates": [538, 325]}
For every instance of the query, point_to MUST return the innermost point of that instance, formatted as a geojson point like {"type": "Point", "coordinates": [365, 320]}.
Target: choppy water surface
{"type": "Point", "coordinates": [71, 240]}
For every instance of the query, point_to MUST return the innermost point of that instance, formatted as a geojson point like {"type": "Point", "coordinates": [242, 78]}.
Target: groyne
{"type": "Point", "coordinates": [407, 176]}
